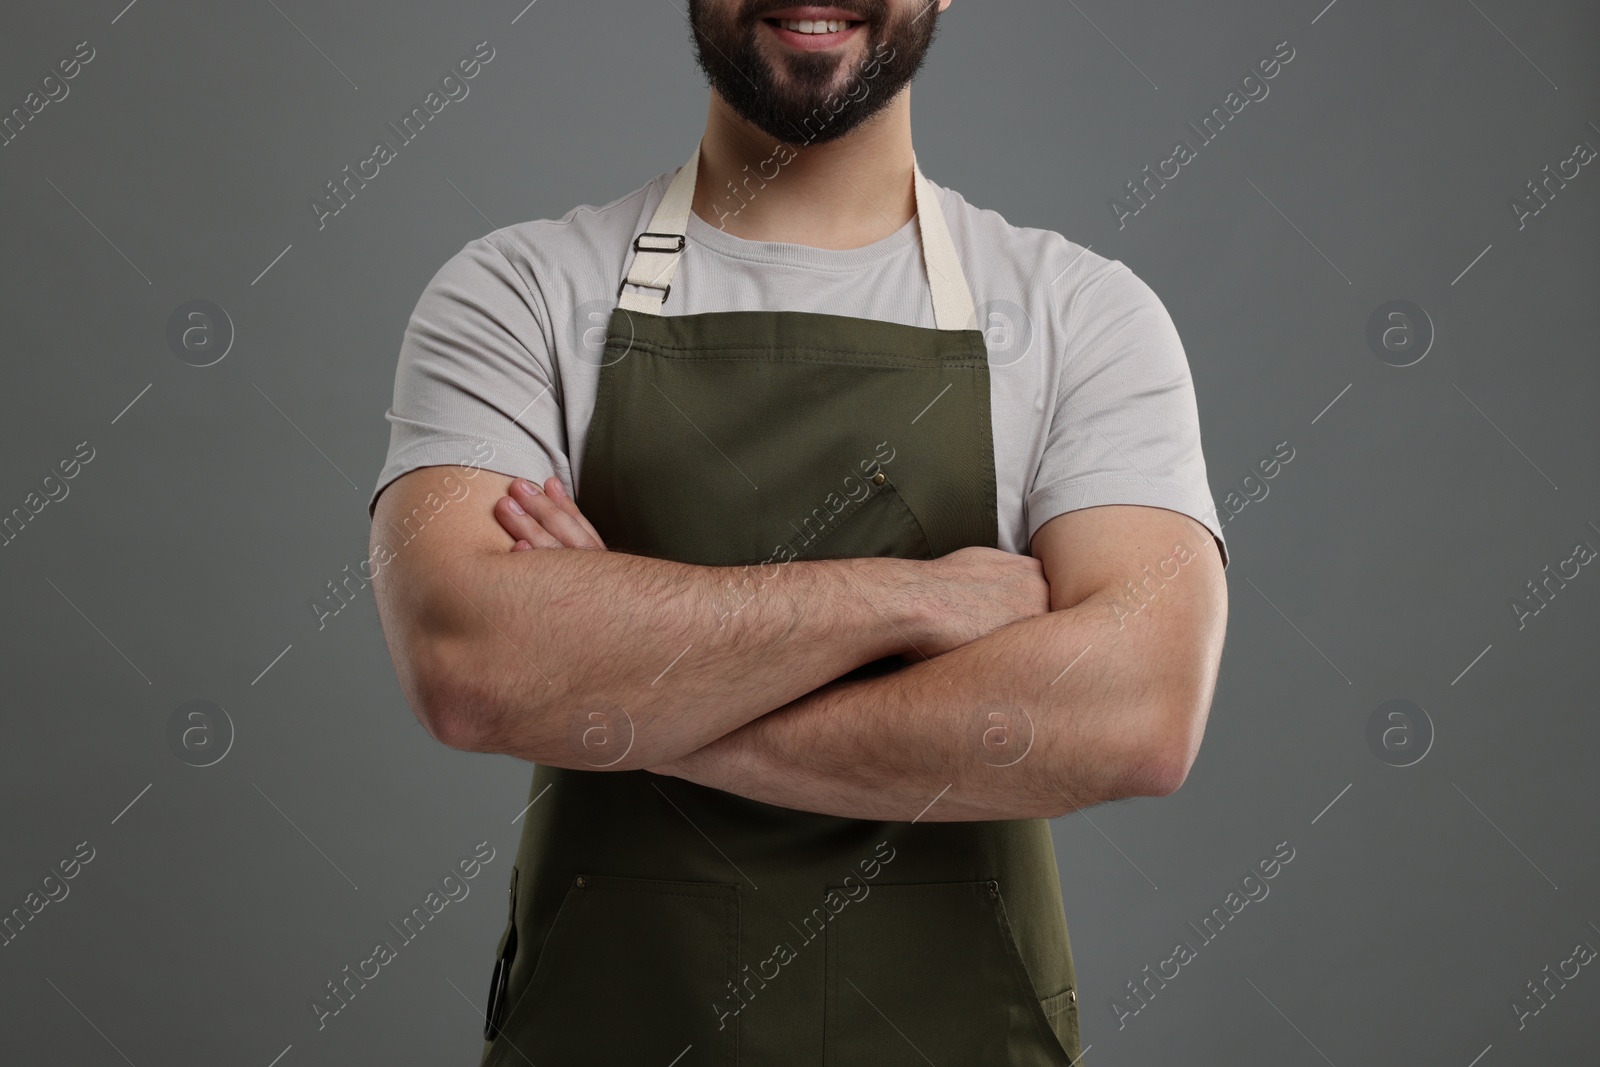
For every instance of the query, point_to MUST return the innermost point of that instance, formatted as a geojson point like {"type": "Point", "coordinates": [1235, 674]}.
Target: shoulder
{"type": "Point", "coordinates": [1060, 282]}
{"type": "Point", "coordinates": [580, 251]}
{"type": "Point", "coordinates": [1000, 256]}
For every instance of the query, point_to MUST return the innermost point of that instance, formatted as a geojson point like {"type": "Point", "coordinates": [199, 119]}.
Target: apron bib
{"type": "Point", "coordinates": [656, 921]}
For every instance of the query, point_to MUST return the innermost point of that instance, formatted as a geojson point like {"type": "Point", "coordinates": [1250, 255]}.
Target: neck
{"type": "Point", "coordinates": [843, 194]}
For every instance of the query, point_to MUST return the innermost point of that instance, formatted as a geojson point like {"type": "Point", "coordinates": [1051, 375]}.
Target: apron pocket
{"type": "Point", "coordinates": [629, 973]}
{"type": "Point", "coordinates": [1062, 1011]}
{"type": "Point", "coordinates": [932, 970]}
{"type": "Point", "coordinates": [879, 524]}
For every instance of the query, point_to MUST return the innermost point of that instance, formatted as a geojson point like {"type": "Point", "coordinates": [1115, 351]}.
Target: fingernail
{"type": "Point", "coordinates": [558, 490]}
{"type": "Point", "coordinates": [516, 507]}
{"type": "Point", "coordinates": [531, 487]}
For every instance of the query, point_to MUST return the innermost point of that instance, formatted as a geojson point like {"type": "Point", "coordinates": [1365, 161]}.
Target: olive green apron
{"type": "Point", "coordinates": [659, 922]}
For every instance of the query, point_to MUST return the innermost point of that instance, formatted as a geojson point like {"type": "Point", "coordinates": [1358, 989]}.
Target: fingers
{"type": "Point", "coordinates": [524, 528]}
{"type": "Point", "coordinates": [551, 518]}
{"type": "Point", "coordinates": [558, 493]}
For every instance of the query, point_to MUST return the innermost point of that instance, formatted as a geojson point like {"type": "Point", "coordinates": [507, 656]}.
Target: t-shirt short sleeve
{"type": "Point", "coordinates": [474, 385]}
{"type": "Point", "coordinates": [1125, 429]}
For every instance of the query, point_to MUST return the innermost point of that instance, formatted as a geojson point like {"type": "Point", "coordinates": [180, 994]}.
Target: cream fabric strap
{"type": "Point", "coordinates": [658, 249]}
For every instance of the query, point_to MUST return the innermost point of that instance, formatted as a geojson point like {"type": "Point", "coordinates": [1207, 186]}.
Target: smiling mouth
{"type": "Point", "coordinates": [813, 27]}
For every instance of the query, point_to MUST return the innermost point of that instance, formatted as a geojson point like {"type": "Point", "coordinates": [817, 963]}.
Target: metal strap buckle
{"type": "Point", "coordinates": [665, 289]}
{"type": "Point", "coordinates": [678, 247]}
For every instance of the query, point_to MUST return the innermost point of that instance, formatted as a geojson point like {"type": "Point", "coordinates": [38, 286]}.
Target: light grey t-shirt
{"type": "Point", "coordinates": [1090, 394]}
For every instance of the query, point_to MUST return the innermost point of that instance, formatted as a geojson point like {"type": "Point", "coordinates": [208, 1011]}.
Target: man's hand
{"type": "Point", "coordinates": [978, 590]}
{"type": "Point", "coordinates": [975, 590]}
{"type": "Point", "coordinates": [545, 518]}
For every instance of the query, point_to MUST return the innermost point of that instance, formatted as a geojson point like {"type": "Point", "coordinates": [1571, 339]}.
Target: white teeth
{"type": "Point", "coordinates": [814, 25]}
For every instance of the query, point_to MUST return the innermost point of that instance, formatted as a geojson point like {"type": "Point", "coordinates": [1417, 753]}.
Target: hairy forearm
{"type": "Point", "coordinates": [1037, 719]}
{"type": "Point", "coordinates": [608, 660]}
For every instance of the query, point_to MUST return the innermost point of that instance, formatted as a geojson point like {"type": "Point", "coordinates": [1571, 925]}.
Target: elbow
{"type": "Point", "coordinates": [447, 706]}
{"type": "Point", "coordinates": [1158, 763]}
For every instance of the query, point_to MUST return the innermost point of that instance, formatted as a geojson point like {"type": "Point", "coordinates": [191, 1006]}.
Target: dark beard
{"type": "Point", "coordinates": [813, 103]}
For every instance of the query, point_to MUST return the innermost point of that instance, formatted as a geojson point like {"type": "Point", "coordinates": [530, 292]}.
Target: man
{"type": "Point", "coordinates": [828, 599]}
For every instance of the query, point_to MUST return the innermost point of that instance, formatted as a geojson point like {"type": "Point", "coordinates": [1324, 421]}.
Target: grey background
{"type": "Point", "coordinates": [1380, 566]}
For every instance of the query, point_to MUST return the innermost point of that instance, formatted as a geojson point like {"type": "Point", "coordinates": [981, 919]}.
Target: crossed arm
{"type": "Point", "coordinates": [1033, 686]}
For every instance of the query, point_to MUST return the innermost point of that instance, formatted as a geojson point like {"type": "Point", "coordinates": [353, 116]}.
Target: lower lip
{"type": "Point", "coordinates": [812, 42]}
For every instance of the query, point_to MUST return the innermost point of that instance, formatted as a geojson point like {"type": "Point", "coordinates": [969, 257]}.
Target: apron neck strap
{"type": "Point", "coordinates": [658, 249]}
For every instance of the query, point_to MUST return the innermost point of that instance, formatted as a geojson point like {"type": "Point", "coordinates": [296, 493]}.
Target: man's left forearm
{"type": "Point", "coordinates": [1034, 720]}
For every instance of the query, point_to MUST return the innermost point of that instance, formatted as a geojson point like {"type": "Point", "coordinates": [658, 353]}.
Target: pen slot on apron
{"type": "Point", "coordinates": [628, 973]}
{"type": "Point", "coordinates": [495, 1011]}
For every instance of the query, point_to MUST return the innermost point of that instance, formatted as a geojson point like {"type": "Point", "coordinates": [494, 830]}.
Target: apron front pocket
{"type": "Point", "coordinates": [629, 973]}
{"type": "Point", "coordinates": [881, 523]}
{"type": "Point", "coordinates": [931, 971]}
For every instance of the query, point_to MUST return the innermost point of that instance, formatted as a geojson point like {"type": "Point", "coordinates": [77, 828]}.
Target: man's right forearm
{"type": "Point", "coordinates": [602, 659]}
